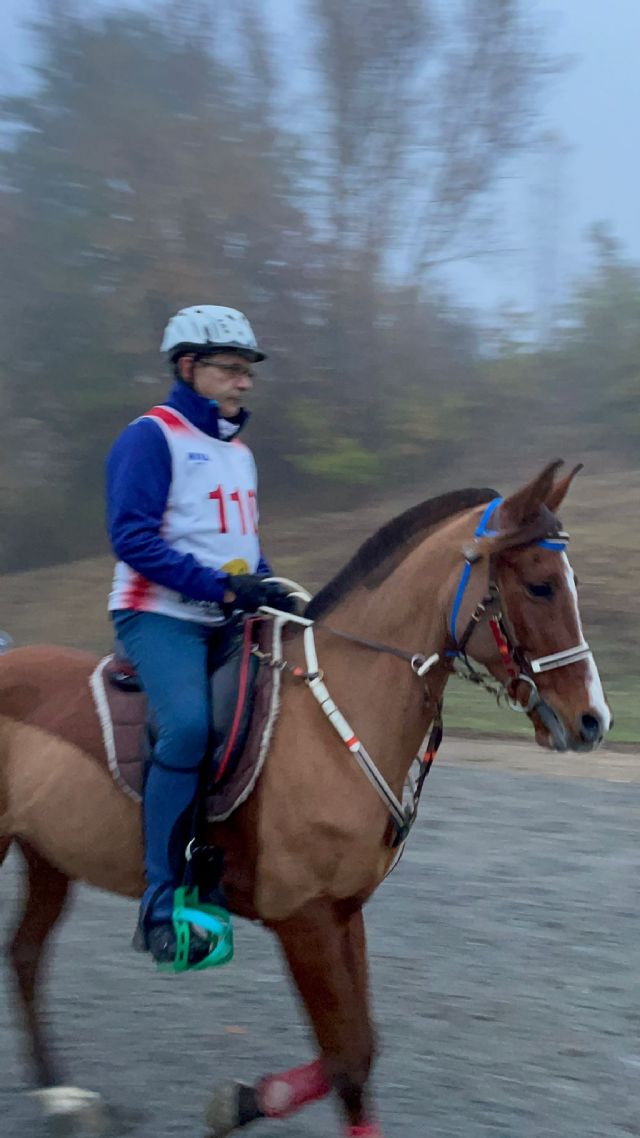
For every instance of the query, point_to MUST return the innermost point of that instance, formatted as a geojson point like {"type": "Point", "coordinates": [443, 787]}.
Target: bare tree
{"type": "Point", "coordinates": [423, 103]}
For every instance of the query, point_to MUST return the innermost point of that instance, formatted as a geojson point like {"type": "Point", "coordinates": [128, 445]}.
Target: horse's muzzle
{"type": "Point", "coordinates": [587, 735]}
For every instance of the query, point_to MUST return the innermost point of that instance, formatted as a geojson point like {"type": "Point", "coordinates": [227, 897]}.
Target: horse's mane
{"type": "Point", "coordinates": [378, 556]}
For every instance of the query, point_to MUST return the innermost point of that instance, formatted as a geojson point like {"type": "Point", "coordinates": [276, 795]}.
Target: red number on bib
{"type": "Point", "coordinates": [253, 509]}
{"type": "Point", "coordinates": [218, 496]}
{"type": "Point", "coordinates": [235, 497]}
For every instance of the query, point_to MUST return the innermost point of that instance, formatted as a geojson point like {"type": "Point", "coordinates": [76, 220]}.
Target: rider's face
{"type": "Point", "coordinates": [225, 377]}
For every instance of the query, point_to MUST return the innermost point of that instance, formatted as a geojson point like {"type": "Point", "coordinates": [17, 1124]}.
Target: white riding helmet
{"type": "Point", "coordinates": [210, 326]}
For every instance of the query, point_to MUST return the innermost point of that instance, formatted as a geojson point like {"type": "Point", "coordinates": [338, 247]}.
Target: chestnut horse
{"type": "Point", "coordinates": [450, 581]}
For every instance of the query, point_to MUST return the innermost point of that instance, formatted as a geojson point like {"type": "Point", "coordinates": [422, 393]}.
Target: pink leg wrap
{"type": "Point", "coordinates": [281, 1095]}
{"type": "Point", "coordinates": [367, 1130]}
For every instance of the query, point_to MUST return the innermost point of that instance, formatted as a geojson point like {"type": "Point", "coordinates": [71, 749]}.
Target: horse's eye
{"type": "Point", "coordinates": [544, 589]}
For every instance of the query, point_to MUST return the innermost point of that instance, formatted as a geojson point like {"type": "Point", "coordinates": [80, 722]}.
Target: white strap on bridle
{"type": "Point", "coordinates": [561, 659]}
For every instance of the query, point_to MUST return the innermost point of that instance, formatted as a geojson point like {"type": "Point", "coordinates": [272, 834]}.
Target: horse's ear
{"type": "Point", "coordinates": [559, 490]}
{"type": "Point", "coordinates": [518, 512]}
{"type": "Point", "coordinates": [524, 506]}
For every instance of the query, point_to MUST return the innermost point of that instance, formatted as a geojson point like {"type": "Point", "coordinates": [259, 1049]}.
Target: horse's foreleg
{"type": "Point", "coordinates": [326, 953]}
{"type": "Point", "coordinates": [327, 958]}
{"type": "Point", "coordinates": [235, 1105]}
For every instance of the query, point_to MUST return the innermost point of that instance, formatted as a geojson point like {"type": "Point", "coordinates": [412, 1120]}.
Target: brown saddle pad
{"type": "Point", "coordinates": [123, 718]}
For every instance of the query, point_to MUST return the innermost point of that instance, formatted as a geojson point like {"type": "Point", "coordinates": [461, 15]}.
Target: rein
{"type": "Point", "coordinates": [419, 664]}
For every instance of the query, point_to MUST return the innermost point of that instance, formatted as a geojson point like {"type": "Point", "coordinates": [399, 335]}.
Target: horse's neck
{"type": "Point", "coordinates": [385, 702]}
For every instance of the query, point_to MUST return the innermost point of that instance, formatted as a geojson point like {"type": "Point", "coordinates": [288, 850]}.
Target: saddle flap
{"type": "Point", "coordinates": [232, 693]}
{"type": "Point", "coordinates": [245, 698]}
{"type": "Point", "coordinates": [236, 782]}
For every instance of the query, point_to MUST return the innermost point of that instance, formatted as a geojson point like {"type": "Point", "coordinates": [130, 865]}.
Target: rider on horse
{"type": "Point", "coordinates": [182, 519]}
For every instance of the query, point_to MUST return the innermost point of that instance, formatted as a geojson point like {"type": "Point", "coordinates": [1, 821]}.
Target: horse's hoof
{"type": "Point", "coordinates": [232, 1106]}
{"type": "Point", "coordinates": [71, 1112]}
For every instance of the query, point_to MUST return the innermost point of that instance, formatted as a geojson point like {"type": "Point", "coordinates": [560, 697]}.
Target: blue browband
{"type": "Point", "coordinates": [484, 531]}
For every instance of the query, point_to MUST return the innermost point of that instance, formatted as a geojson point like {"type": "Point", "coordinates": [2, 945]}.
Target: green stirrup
{"type": "Point", "coordinates": [189, 911]}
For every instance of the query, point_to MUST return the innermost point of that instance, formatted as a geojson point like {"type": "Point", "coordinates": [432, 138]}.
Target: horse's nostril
{"type": "Point", "coordinates": [590, 728]}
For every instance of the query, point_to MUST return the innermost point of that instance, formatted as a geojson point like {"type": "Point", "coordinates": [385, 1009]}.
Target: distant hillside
{"type": "Point", "coordinates": [65, 604]}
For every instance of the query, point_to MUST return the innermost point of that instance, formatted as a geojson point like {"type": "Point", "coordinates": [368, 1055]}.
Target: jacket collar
{"type": "Point", "coordinates": [199, 411]}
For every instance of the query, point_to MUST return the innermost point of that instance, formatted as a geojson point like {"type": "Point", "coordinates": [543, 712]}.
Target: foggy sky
{"type": "Point", "coordinates": [592, 106]}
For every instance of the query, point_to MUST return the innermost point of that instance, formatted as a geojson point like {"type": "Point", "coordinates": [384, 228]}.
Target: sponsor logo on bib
{"type": "Point", "coordinates": [236, 566]}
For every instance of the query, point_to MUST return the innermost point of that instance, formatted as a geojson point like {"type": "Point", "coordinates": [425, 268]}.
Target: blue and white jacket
{"type": "Point", "coordinates": [181, 509]}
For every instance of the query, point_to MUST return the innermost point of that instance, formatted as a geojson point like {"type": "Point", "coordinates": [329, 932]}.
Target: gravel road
{"type": "Point", "coordinates": [505, 968]}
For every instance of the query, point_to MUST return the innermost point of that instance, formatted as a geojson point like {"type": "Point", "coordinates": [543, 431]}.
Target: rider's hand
{"type": "Point", "coordinates": [277, 597]}
{"type": "Point", "coordinates": [251, 591]}
{"type": "Point", "coordinates": [248, 591]}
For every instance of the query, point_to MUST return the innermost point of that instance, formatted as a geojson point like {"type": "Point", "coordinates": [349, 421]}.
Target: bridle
{"type": "Point", "coordinates": [546, 534]}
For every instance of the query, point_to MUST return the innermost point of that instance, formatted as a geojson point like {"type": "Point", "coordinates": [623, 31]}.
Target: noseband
{"type": "Point", "coordinates": [545, 534]}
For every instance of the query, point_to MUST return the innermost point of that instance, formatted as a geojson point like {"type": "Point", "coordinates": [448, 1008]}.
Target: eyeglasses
{"type": "Point", "coordinates": [236, 370]}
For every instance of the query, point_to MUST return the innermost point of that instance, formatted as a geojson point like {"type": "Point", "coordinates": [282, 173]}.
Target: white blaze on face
{"type": "Point", "coordinates": [597, 702]}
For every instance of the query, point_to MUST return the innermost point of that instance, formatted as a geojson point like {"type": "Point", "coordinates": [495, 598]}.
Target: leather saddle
{"type": "Point", "coordinates": [244, 698]}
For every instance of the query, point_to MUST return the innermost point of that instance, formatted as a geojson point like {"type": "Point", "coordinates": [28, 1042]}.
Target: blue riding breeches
{"type": "Point", "coordinates": [172, 659]}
